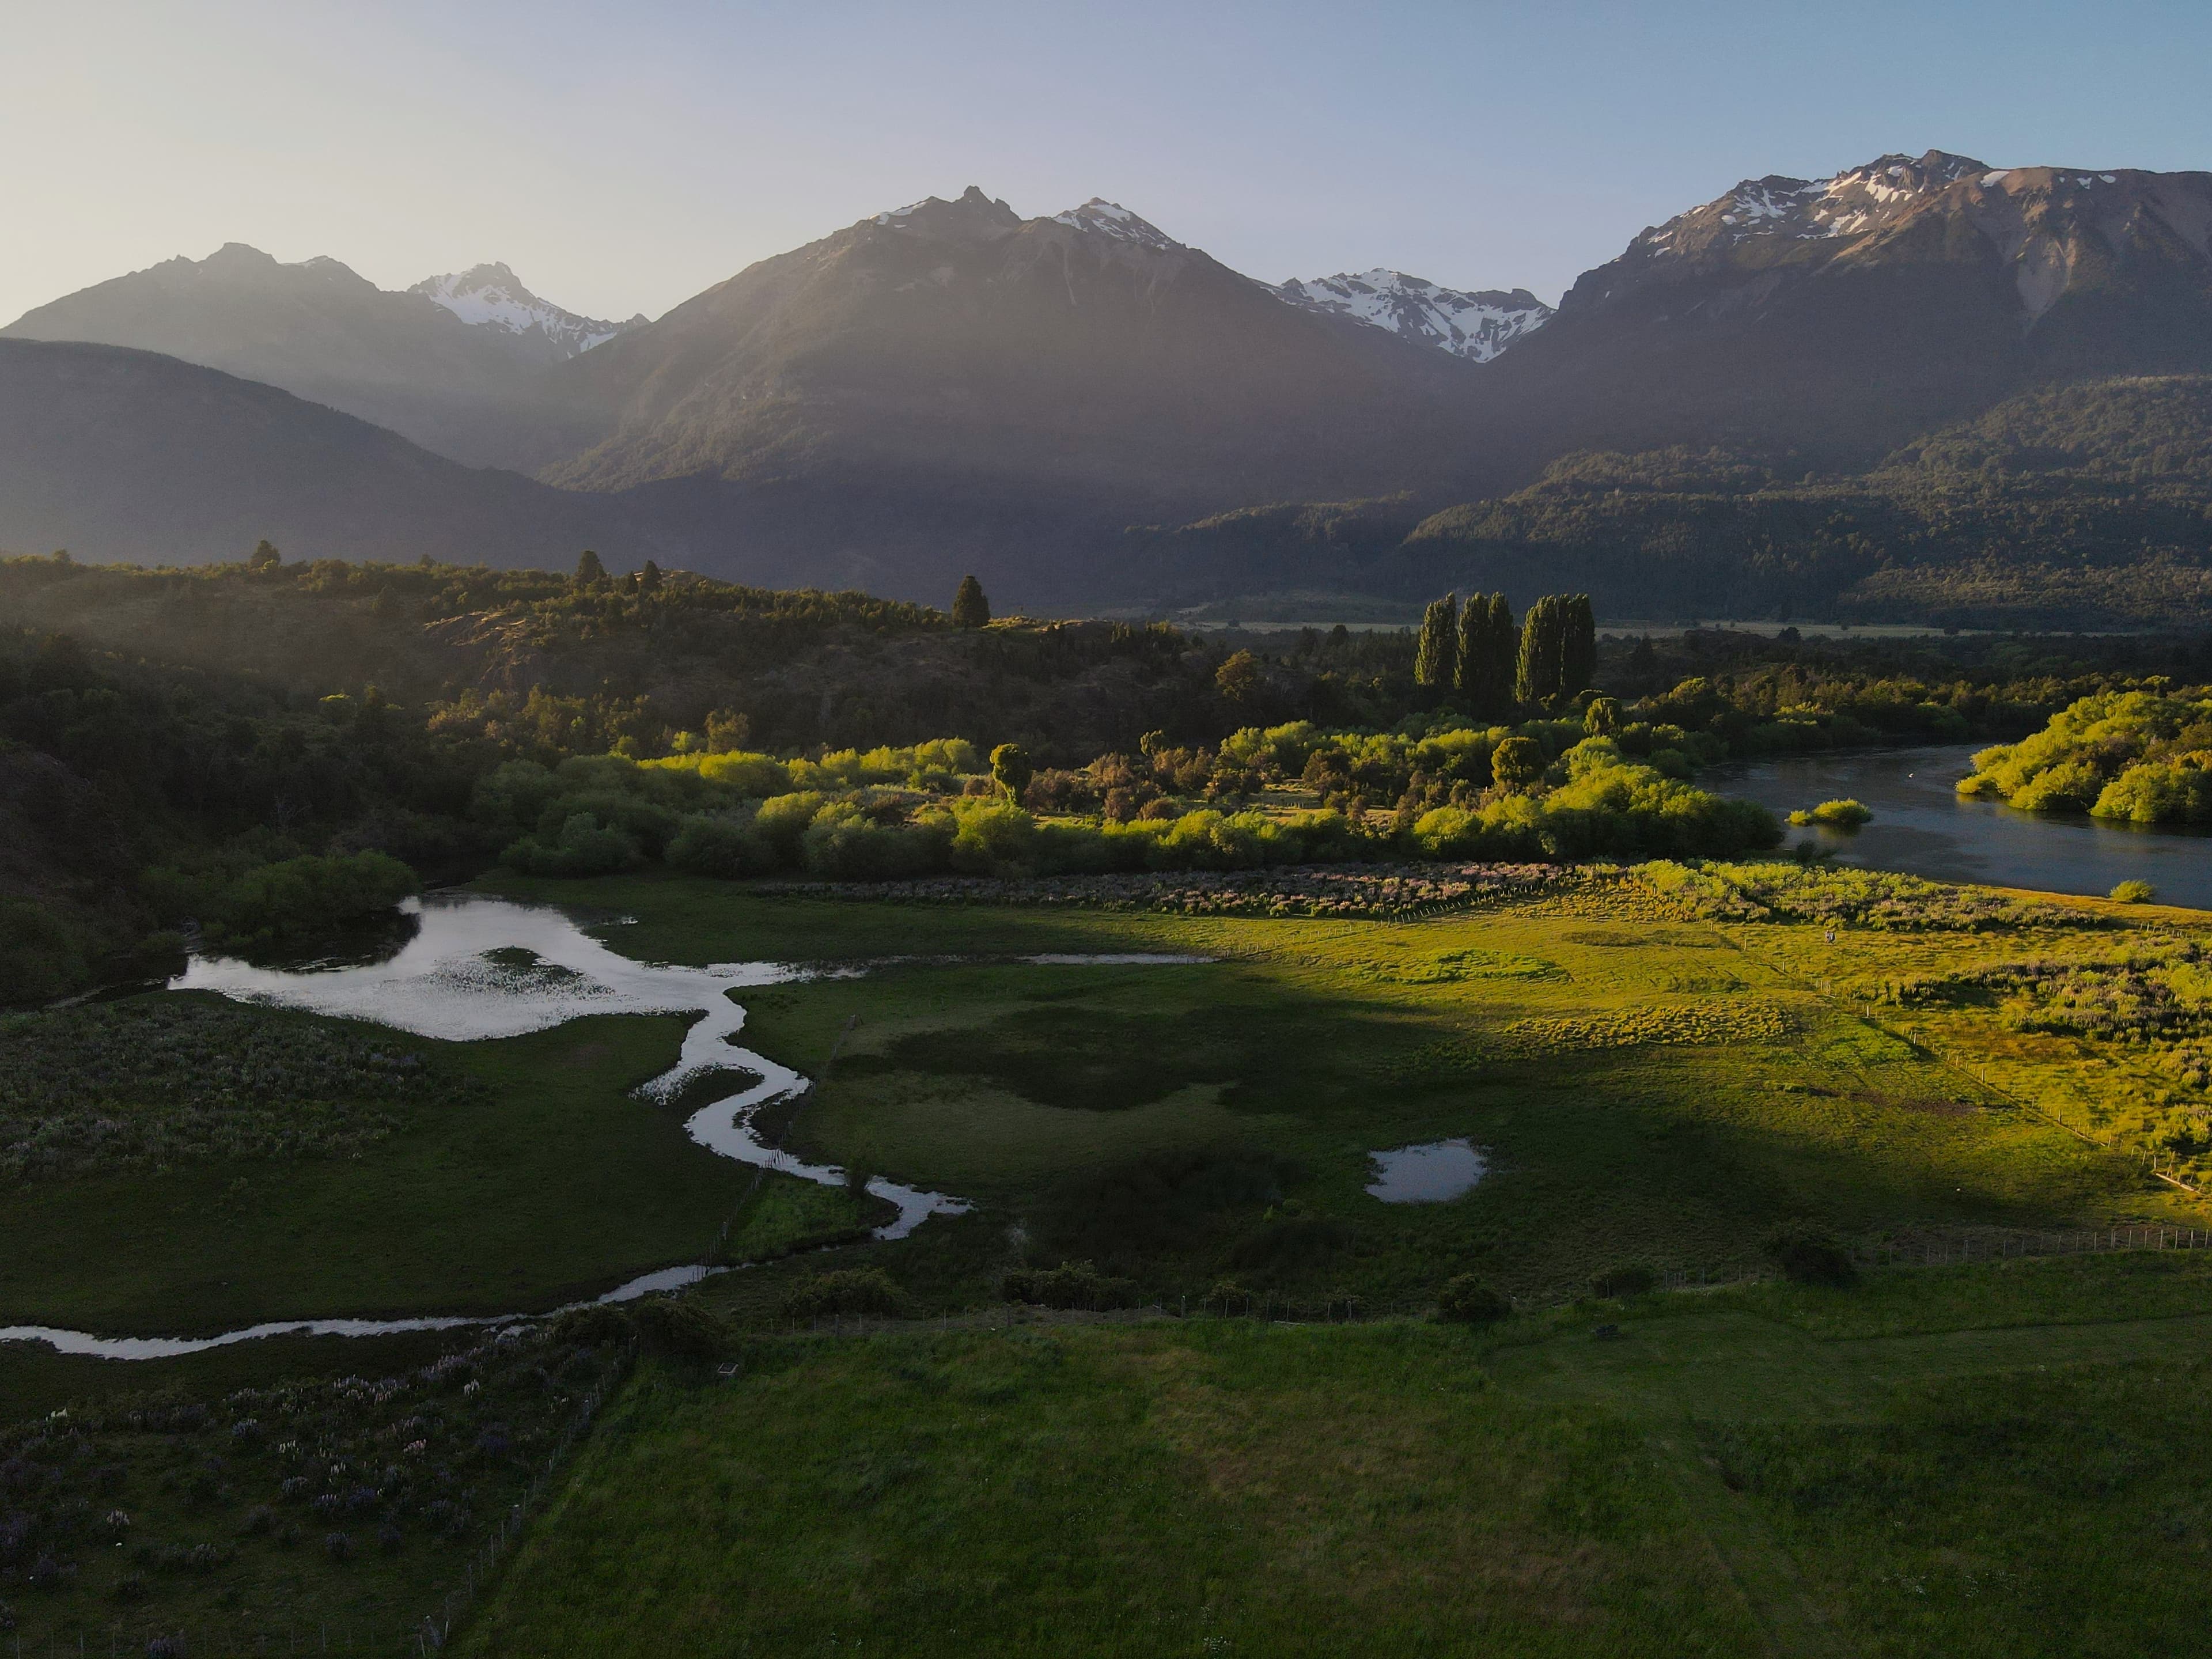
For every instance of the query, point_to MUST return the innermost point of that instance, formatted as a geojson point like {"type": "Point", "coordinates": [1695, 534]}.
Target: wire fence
{"type": "Point", "coordinates": [2163, 1166]}
{"type": "Point", "coordinates": [437, 1628]}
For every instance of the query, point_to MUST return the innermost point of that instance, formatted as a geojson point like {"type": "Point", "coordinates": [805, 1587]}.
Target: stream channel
{"type": "Point", "coordinates": [478, 968]}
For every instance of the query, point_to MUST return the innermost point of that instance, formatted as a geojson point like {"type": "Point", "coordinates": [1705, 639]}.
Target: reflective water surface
{"type": "Point", "coordinates": [1921, 826]}
{"type": "Point", "coordinates": [1429, 1173]}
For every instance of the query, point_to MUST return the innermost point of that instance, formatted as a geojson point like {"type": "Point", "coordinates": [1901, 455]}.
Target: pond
{"type": "Point", "coordinates": [471, 968]}
{"type": "Point", "coordinates": [1427, 1173]}
{"type": "Point", "coordinates": [1923, 828]}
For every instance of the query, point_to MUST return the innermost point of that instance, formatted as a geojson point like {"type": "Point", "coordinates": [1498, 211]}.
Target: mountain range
{"type": "Point", "coordinates": [952, 385]}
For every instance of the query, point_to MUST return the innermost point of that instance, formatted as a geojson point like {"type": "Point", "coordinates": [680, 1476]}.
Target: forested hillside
{"type": "Point", "coordinates": [2087, 506]}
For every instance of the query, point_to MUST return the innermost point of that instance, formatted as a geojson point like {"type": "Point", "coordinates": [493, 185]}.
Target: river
{"type": "Point", "coordinates": [1923, 827]}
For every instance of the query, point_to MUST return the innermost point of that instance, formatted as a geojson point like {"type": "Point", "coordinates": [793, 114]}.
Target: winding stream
{"type": "Point", "coordinates": [479, 967]}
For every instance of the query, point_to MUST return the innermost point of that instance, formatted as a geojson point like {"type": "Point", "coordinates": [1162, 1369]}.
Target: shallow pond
{"type": "Point", "coordinates": [476, 968]}
{"type": "Point", "coordinates": [1429, 1173]}
{"type": "Point", "coordinates": [1922, 827]}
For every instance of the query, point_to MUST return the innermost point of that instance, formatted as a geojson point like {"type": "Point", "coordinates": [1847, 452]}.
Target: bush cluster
{"type": "Point", "coordinates": [2142, 755]}
{"type": "Point", "coordinates": [848, 1291]}
{"type": "Point", "coordinates": [1071, 1284]}
{"type": "Point", "coordinates": [423, 1458]}
{"type": "Point", "coordinates": [1863, 898]}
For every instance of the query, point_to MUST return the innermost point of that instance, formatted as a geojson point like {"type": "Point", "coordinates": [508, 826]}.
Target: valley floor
{"type": "Point", "coordinates": [1986, 1459]}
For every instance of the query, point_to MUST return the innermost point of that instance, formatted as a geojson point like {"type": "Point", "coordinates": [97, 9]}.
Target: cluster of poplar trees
{"type": "Point", "coordinates": [1476, 651]}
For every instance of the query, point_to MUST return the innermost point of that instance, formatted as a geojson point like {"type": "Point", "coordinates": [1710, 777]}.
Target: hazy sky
{"type": "Point", "coordinates": [622, 157]}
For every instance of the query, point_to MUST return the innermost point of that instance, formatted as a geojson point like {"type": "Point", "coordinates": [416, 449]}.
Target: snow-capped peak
{"type": "Point", "coordinates": [1855, 201]}
{"type": "Point", "coordinates": [1474, 326]}
{"type": "Point", "coordinates": [492, 296]}
{"type": "Point", "coordinates": [1106, 218]}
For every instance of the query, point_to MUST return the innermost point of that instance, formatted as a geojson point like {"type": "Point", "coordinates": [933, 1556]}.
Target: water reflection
{"type": "Point", "coordinates": [1427, 1173]}
{"type": "Point", "coordinates": [1923, 827]}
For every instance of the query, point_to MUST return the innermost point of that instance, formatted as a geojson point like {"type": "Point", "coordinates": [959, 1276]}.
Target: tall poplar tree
{"type": "Point", "coordinates": [1436, 658]}
{"type": "Point", "coordinates": [1536, 676]}
{"type": "Point", "coordinates": [1577, 644]}
{"type": "Point", "coordinates": [1486, 650]}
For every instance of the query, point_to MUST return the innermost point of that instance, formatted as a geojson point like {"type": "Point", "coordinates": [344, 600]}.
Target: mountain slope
{"type": "Point", "coordinates": [122, 454]}
{"type": "Point", "coordinates": [492, 296]}
{"type": "Point", "coordinates": [1474, 326]}
{"type": "Point", "coordinates": [2087, 505]}
{"type": "Point", "coordinates": [1841, 316]}
{"type": "Point", "coordinates": [955, 347]}
{"type": "Point", "coordinates": [319, 330]}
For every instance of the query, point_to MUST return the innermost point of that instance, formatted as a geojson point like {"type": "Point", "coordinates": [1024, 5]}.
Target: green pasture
{"type": "Point", "coordinates": [1777, 1470]}
{"type": "Point", "coordinates": [1649, 1089]}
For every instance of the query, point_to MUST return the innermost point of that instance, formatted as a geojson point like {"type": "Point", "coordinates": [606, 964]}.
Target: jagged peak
{"type": "Point", "coordinates": [972, 213]}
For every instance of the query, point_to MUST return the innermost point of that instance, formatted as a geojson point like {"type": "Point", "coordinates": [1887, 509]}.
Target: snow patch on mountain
{"type": "Point", "coordinates": [1106, 218]}
{"type": "Point", "coordinates": [492, 296]}
{"type": "Point", "coordinates": [1470, 324]}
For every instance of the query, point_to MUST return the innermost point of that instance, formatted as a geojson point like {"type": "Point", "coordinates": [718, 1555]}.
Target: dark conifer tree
{"type": "Point", "coordinates": [590, 572]}
{"type": "Point", "coordinates": [970, 608]}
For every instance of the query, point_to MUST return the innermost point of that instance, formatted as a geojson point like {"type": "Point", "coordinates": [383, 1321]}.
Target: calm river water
{"type": "Point", "coordinates": [1922, 827]}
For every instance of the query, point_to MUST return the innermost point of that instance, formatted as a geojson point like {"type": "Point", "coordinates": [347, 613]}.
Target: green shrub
{"type": "Point", "coordinates": [1844, 814]}
{"type": "Point", "coordinates": [1623, 1282]}
{"type": "Point", "coordinates": [1071, 1284]}
{"type": "Point", "coordinates": [2135, 892]}
{"type": "Point", "coordinates": [290, 898]}
{"type": "Point", "coordinates": [581, 846]}
{"type": "Point", "coordinates": [677, 1328]}
{"type": "Point", "coordinates": [40, 956]}
{"type": "Point", "coordinates": [724, 844]}
{"type": "Point", "coordinates": [594, 1325]}
{"type": "Point", "coordinates": [1809, 1255]}
{"type": "Point", "coordinates": [848, 1291]}
{"type": "Point", "coordinates": [1466, 1299]}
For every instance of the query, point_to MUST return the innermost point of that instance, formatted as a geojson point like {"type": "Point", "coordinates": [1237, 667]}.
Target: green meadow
{"type": "Point", "coordinates": [1772, 1471]}
{"type": "Point", "coordinates": [1658, 1079]}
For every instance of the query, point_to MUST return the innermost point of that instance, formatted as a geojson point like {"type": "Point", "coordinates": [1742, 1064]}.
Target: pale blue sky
{"type": "Point", "coordinates": [622, 157]}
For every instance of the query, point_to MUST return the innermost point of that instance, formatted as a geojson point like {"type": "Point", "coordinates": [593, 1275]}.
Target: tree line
{"type": "Point", "coordinates": [1475, 651]}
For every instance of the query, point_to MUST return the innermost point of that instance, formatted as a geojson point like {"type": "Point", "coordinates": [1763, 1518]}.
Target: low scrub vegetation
{"type": "Point", "coordinates": [351, 1499]}
{"type": "Point", "coordinates": [154, 1082]}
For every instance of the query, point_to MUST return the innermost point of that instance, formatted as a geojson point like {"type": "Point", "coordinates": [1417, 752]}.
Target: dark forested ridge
{"type": "Point", "coordinates": [2085, 505]}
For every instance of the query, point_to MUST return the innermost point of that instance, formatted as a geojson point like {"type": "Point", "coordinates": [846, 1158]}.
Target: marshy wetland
{"type": "Point", "coordinates": [1650, 1070]}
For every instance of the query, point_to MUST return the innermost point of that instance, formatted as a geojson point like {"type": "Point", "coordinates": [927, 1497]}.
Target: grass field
{"type": "Point", "coordinates": [1763, 1468]}
{"type": "Point", "coordinates": [1730, 1476]}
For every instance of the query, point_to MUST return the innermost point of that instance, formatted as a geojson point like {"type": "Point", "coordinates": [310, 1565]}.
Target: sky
{"type": "Point", "coordinates": [622, 157]}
